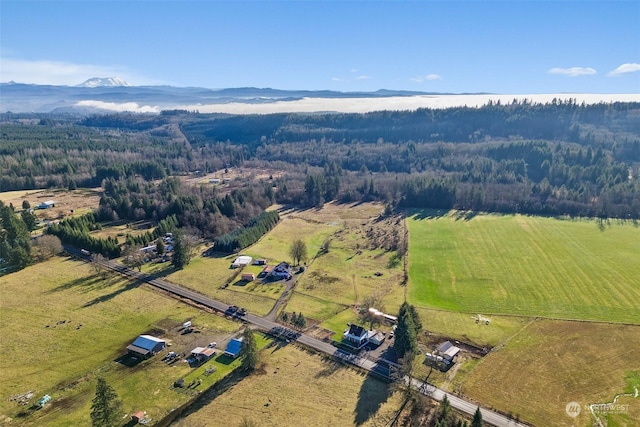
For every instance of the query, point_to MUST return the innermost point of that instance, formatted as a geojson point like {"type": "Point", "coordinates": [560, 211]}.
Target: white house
{"type": "Point", "coordinates": [355, 336]}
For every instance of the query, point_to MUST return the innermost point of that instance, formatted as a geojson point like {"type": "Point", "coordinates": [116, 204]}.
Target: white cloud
{"type": "Point", "coordinates": [363, 77]}
{"type": "Point", "coordinates": [354, 70]}
{"type": "Point", "coordinates": [119, 107]}
{"type": "Point", "coordinates": [338, 79]}
{"type": "Point", "coordinates": [573, 71]}
{"type": "Point", "coordinates": [363, 105]}
{"type": "Point", "coordinates": [47, 72]}
{"type": "Point", "coordinates": [428, 77]}
{"type": "Point", "coordinates": [625, 69]}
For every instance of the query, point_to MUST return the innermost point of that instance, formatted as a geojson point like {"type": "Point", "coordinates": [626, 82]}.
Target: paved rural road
{"type": "Point", "coordinates": [461, 405]}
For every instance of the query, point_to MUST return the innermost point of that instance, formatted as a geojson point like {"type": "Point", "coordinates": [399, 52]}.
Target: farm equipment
{"type": "Point", "coordinates": [481, 319]}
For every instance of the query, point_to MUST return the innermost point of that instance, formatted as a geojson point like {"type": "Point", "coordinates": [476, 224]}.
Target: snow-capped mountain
{"type": "Point", "coordinates": [105, 82]}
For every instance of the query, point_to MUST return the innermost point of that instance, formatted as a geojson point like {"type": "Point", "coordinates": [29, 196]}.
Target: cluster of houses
{"type": "Point", "coordinates": [269, 272]}
{"type": "Point", "coordinates": [146, 346]}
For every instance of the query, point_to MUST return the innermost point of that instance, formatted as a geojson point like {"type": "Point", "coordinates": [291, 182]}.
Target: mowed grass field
{"type": "Point", "coordinates": [550, 363]}
{"type": "Point", "coordinates": [295, 388]}
{"type": "Point", "coordinates": [43, 354]}
{"type": "Point", "coordinates": [526, 266]}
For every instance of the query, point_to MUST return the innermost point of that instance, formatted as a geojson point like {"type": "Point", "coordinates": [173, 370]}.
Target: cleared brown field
{"type": "Point", "coordinates": [295, 388]}
{"type": "Point", "coordinates": [79, 201]}
{"type": "Point", "coordinates": [551, 363]}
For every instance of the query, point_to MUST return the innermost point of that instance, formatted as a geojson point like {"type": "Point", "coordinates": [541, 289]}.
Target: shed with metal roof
{"type": "Point", "coordinates": [146, 346]}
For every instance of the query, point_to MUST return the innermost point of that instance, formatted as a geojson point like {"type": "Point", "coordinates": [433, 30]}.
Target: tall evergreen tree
{"type": "Point", "coordinates": [406, 339]}
{"type": "Point", "coordinates": [407, 330]}
{"type": "Point", "coordinates": [249, 350]}
{"type": "Point", "coordinates": [106, 408]}
{"type": "Point", "coordinates": [181, 252]}
{"type": "Point", "coordinates": [477, 419]}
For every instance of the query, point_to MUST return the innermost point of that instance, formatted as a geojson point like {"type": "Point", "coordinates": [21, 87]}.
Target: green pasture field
{"type": "Point", "coordinates": [294, 388]}
{"type": "Point", "coordinates": [526, 266]}
{"type": "Point", "coordinates": [551, 363]}
{"type": "Point", "coordinates": [101, 317]}
{"type": "Point", "coordinates": [462, 326]}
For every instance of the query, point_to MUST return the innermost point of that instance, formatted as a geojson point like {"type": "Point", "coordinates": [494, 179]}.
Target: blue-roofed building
{"type": "Point", "coordinates": [146, 346]}
{"type": "Point", "coordinates": [233, 347]}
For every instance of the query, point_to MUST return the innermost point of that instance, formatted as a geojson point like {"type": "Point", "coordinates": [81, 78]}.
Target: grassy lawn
{"type": "Point", "coordinates": [529, 266]}
{"type": "Point", "coordinates": [314, 308]}
{"type": "Point", "coordinates": [551, 363]}
{"type": "Point", "coordinates": [101, 317]}
{"type": "Point", "coordinates": [297, 388]}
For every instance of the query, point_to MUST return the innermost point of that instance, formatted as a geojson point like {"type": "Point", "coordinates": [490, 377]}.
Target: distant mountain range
{"type": "Point", "coordinates": [112, 94]}
{"type": "Point", "coordinates": [101, 94]}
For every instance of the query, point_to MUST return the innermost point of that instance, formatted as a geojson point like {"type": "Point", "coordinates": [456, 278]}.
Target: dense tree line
{"type": "Point", "coordinates": [15, 240]}
{"type": "Point", "coordinates": [246, 236]}
{"type": "Point", "coordinates": [554, 158]}
{"type": "Point", "coordinates": [75, 231]}
{"type": "Point", "coordinates": [204, 208]}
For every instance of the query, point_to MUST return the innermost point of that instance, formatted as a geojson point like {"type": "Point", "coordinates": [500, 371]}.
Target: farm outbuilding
{"type": "Point", "coordinates": [146, 346]}
{"type": "Point", "coordinates": [233, 347]}
{"type": "Point", "coordinates": [249, 277]}
{"type": "Point", "coordinates": [448, 351]}
{"type": "Point", "coordinates": [202, 353]}
{"type": "Point", "coordinates": [241, 261]}
{"type": "Point", "coordinates": [46, 205]}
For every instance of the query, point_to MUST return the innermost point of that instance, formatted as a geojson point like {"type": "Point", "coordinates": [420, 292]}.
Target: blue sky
{"type": "Point", "coordinates": [500, 47]}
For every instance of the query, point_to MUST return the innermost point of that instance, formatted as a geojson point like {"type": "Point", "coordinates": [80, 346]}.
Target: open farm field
{"type": "Point", "coordinates": [79, 201]}
{"type": "Point", "coordinates": [63, 326]}
{"type": "Point", "coordinates": [552, 363]}
{"type": "Point", "coordinates": [525, 266]}
{"type": "Point", "coordinates": [294, 388]}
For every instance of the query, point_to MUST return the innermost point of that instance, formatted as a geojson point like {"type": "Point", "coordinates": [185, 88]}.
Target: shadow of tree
{"type": "Point", "coordinates": [107, 297]}
{"type": "Point", "coordinates": [212, 393]}
{"type": "Point", "coordinates": [330, 367]}
{"type": "Point", "coordinates": [373, 394]}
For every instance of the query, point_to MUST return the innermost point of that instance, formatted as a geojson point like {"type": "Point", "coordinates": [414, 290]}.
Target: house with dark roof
{"type": "Point", "coordinates": [233, 347]}
{"type": "Point", "coordinates": [355, 336]}
{"type": "Point", "coordinates": [146, 346]}
{"type": "Point", "coordinates": [281, 271]}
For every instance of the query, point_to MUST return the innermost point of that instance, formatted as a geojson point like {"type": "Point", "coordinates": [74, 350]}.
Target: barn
{"type": "Point", "coordinates": [146, 346]}
{"type": "Point", "coordinates": [241, 261]}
